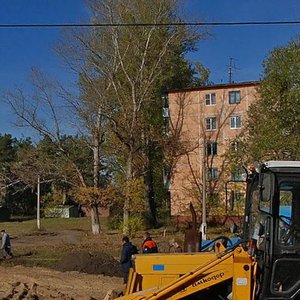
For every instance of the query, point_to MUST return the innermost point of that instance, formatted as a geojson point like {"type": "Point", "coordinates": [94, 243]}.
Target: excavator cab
{"type": "Point", "coordinates": [272, 223]}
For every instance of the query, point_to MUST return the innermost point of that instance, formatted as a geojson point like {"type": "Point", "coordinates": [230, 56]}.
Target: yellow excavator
{"type": "Point", "coordinates": [263, 265]}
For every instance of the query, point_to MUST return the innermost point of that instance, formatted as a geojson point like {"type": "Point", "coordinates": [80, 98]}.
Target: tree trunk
{"type": "Point", "coordinates": [95, 219]}
{"type": "Point", "coordinates": [96, 162]}
{"type": "Point", "coordinates": [96, 150]}
{"type": "Point", "coordinates": [96, 173]}
{"type": "Point", "coordinates": [151, 207]}
{"type": "Point", "coordinates": [127, 200]}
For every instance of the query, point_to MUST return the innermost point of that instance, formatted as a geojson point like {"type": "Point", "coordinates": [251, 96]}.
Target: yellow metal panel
{"type": "Point", "coordinates": [176, 263]}
{"type": "Point", "coordinates": [187, 280]}
{"type": "Point", "coordinates": [243, 266]}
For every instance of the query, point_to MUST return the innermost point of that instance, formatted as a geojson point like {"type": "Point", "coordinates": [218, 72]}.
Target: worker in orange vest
{"type": "Point", "coordinates": [149, 246]}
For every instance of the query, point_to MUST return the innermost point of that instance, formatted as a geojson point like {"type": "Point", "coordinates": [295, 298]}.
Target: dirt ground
{"type": "Point", "coordinates": [64, 260]}
{"type": "Point", "coordinates": [39, 283]}
{"type": "Point", "coordinates": [74, 262]}
{"type": "Point", "coordinates": [90, 263]}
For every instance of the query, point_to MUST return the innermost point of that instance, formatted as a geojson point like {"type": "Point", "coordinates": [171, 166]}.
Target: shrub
{"type": "Point", "coordinates": [136, 223]}
{"type": "Point", "coordinates": [164, 216]}
{"type": "Point", "coordinates": [114, 222]}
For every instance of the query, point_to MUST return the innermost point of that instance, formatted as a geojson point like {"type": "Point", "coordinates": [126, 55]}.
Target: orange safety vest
{"type": "Point", "coordinates": [150, 245]}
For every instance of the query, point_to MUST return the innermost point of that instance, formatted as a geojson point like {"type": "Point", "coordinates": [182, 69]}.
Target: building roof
{"type": "Point", "coordinates": [216, 86]}
{"type": "Point", "coordinates": [282, 164]}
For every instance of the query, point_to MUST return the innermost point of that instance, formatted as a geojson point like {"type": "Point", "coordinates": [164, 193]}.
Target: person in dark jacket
{"type": "Point", "coordinates": [127, 250]}
{"type": "Point", "coordinates": [149, 246]}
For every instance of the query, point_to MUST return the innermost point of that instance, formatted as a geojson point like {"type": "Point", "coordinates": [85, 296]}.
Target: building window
{"type": "Point", "coordinates": [210, 99]}
{"type": "Point", "coordinates": [235, 122]}
{"type": "Point", "coordinates": [211, 123]}
{"type": "Point", "coordinates": [212, 149]}
{"type": "Point", "coordinates": [213, 173]}
{"type": "Point", "coordinates": [234, 97]}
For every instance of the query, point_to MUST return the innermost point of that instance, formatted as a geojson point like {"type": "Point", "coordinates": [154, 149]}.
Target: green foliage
{"type": "Point", "coordinates": [53, 198]}
{"type": "Point", "coordinates": [136, 223]}
{"type": "Point", "coordinates": [14, 193]}
{"type": "Point", "coordinates": [214, 204]}
{"type": "Point", "coordinates": [8, 149]}
{"type": "Point", "coordinates": [164, 216]}
{"type": "Point", "coordinates": [114, 221]}
{"type": "Point", "coordinates": [274, 119]}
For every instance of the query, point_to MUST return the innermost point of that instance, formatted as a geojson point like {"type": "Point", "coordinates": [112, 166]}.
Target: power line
{"type": "Point", "coordinates": [63, 25]}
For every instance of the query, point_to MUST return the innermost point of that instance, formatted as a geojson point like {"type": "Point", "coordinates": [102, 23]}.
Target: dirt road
{"type": "Point", "coordinates": [38, 283]}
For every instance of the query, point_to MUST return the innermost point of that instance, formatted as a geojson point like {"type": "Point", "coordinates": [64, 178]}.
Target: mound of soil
{"type": "Point", "coordinates": [90, 263]}
{"type": "Point", "coordinates": [42, 284]}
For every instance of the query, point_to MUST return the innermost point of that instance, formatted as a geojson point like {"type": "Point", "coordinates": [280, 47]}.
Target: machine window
{"type": "Point", "coordinates": [283, 279]}
{"type": "Point", "coordinates": [289, 213]}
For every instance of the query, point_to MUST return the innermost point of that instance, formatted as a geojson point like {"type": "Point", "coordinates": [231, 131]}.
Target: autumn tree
{"type": "Point", "coordinates": [274, 119]}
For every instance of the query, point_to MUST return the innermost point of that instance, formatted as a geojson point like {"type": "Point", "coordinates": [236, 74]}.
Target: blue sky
{"type": "Point", "coordinates": [20, 49]}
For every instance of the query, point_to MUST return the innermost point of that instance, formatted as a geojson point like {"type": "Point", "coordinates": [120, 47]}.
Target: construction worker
{"type": "Point", "coordinates": [128, 249]}
{"type": "Point", "coordinates": [149, 246]}
{"type": "Point", "coordinates": [5, 245]}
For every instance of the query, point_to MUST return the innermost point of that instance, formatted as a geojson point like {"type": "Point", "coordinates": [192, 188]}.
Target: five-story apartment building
{"type": "Point", "coordinates": [207, 120]}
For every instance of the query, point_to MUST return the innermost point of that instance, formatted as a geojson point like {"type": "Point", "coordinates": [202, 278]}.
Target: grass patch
{"type": "Point", "coordinates": [57, 238]}
{"type": "Point", "coordinates": [29, 227]}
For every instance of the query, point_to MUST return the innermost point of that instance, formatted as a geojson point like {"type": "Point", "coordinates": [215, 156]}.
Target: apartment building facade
{"type": "Point", "coordinates": [207, 120]}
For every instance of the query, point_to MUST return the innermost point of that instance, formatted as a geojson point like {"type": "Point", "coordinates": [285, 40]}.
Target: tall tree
{"type": "Point", "coordinates": [273, 129]}
{"type": "Point", "coordinates": [124, 68]}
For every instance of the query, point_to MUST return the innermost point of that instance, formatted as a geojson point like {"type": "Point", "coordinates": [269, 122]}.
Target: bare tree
{"type": "Point", "coordinates": [45, 112]}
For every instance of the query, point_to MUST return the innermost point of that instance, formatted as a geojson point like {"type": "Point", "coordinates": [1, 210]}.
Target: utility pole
{"type": "Point", "coordinates": [202, 168]}
{"type": "Point", "coordinates": [38, 217]}
{"type": "Point", "coordinates": [203, 227]}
